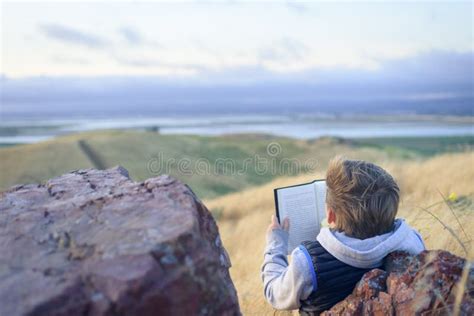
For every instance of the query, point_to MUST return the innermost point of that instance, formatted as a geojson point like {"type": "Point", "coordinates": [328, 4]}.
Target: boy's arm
{"type": "Point", "coordinates": [285, 284]}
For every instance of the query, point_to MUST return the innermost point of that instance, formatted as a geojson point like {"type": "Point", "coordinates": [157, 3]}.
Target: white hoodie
{"type": "Point", "coordinates": [285, 285]}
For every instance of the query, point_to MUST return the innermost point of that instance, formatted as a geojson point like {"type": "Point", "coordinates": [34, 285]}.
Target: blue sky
{"type": "Point", "coordinates": [229, 39]}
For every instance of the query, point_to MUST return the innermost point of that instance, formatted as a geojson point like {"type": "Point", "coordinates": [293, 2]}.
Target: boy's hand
{"type": "Point", "coordinates": [276, 225]}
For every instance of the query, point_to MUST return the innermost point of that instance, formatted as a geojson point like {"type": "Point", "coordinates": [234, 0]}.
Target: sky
{"type": "Point", "coordinates": [155, 57]}
{"type": "Point", "coordinates": [228, 39]}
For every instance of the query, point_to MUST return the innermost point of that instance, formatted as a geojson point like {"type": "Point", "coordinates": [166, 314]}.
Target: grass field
{"type": "Point", "coordinates": [424, 146]}
{"type": "Point", "coordinates": [242, 202]}
{"type": "Point", "coordinates": [244, 216]}
{"type": "Point", "coordinates": [212, 166]}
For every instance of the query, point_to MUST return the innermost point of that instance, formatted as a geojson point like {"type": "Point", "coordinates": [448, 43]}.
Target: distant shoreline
{"type": "Point", "coordinates": [467, 139]}
{"type": "Point", "coordinates": [295, 126]}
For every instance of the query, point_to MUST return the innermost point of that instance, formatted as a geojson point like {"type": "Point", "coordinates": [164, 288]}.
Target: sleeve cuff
{"type": "Point", "coordinates": [277, 241]}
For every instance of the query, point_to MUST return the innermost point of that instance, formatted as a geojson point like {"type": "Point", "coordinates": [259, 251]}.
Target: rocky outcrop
{"type": "Point", "coordinates": [94, 242]}
{"type": "Point", "coordinates": [426, 284]}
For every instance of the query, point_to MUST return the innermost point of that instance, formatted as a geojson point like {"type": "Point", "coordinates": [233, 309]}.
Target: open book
{"type": "Point", "coordinates": [304, 205]}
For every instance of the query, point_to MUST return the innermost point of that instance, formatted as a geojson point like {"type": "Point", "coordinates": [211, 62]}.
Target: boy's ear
{"type": "Point", "coordinates": [331, 216]}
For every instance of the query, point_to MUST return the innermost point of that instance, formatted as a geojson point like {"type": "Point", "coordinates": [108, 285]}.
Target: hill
{"type": "Point", "coordinates": [226, 172]}
{"type": "Point", "coordinates": [212, 166]}
{"type": "Point", "coordinates": [244, 216]}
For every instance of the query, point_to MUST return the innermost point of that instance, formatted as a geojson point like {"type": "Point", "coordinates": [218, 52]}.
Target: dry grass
{"type": "Point", "coordinates": [244, 216]}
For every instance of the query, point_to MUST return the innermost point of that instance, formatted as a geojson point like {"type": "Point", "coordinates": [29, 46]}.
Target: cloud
{"type": "Point", "coordinates": [62, 59]}
{"type": "Point", "coordinates": [433, 82]}
{"type": "Point", "coordinates": [297, 6]}
{"type": "Point", "coordinates": [138, 62]}
{"type": "Point", "coordinates": [441, 65]}
{"type": "Point", "coordinates": [131, 35]}
{"type": "Point", "coordinates": [68, 34]}
{"type": "Point", "coordinates": [284, 50]}
{"type": "Point", "coordinates": [164, 68]}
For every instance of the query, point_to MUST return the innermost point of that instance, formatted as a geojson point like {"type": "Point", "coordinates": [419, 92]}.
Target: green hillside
{"type": "Point", "coordinates": [212, 166]}
{"type": "Point", "coordinates": [424, 146]}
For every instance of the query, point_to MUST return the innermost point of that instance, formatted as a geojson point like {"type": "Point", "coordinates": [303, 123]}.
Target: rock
{"type": "Point", "coordinates": [371, 284]}
{"type": "Point", "coordinates": [426, 284]}
{"type": "Point", "coordinates": [94, 242]}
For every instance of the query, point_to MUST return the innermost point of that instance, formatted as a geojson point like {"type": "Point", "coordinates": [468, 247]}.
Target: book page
{"type": "Point", "coordinates": [320, 189]}
{"type": "Point", "coordinates": [298, 203]}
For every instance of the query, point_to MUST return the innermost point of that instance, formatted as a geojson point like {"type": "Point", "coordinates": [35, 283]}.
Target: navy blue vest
{"type": "Point", "coordinates": [335, 280]}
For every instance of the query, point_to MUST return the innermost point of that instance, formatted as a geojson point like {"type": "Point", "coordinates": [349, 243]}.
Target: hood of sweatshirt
{"type": "Point", "coordinates": [369, 253]}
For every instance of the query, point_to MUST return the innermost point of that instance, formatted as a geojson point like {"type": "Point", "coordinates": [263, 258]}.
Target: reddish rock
{"type": "Point", "coordinates": [371, 284]}
{"type": "Point", "coordinates": [379, 306]}
{"type": "Point", "coordinates": [352, 305]}
{"type": "Point", "coordinates": [96, 243]}
{"type": "Point", "coordinates": [433, 283]}
{"type": "Point", "coordinates": [412, 285]}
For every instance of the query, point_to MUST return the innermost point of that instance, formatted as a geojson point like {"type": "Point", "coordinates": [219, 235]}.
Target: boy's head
{"type": "Point", "coordinates": [362, 196]}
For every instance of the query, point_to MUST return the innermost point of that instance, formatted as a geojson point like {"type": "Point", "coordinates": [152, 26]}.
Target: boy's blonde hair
{"type": "Point", "coordinates": [363, 196]}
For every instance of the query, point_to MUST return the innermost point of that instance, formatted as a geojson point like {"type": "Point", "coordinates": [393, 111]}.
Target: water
{"type": "Point", "coordinates": [302, 126]}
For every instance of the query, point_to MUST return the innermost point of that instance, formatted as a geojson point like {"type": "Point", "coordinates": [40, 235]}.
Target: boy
{"type": "Point", "coordinates": [361, 205]}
